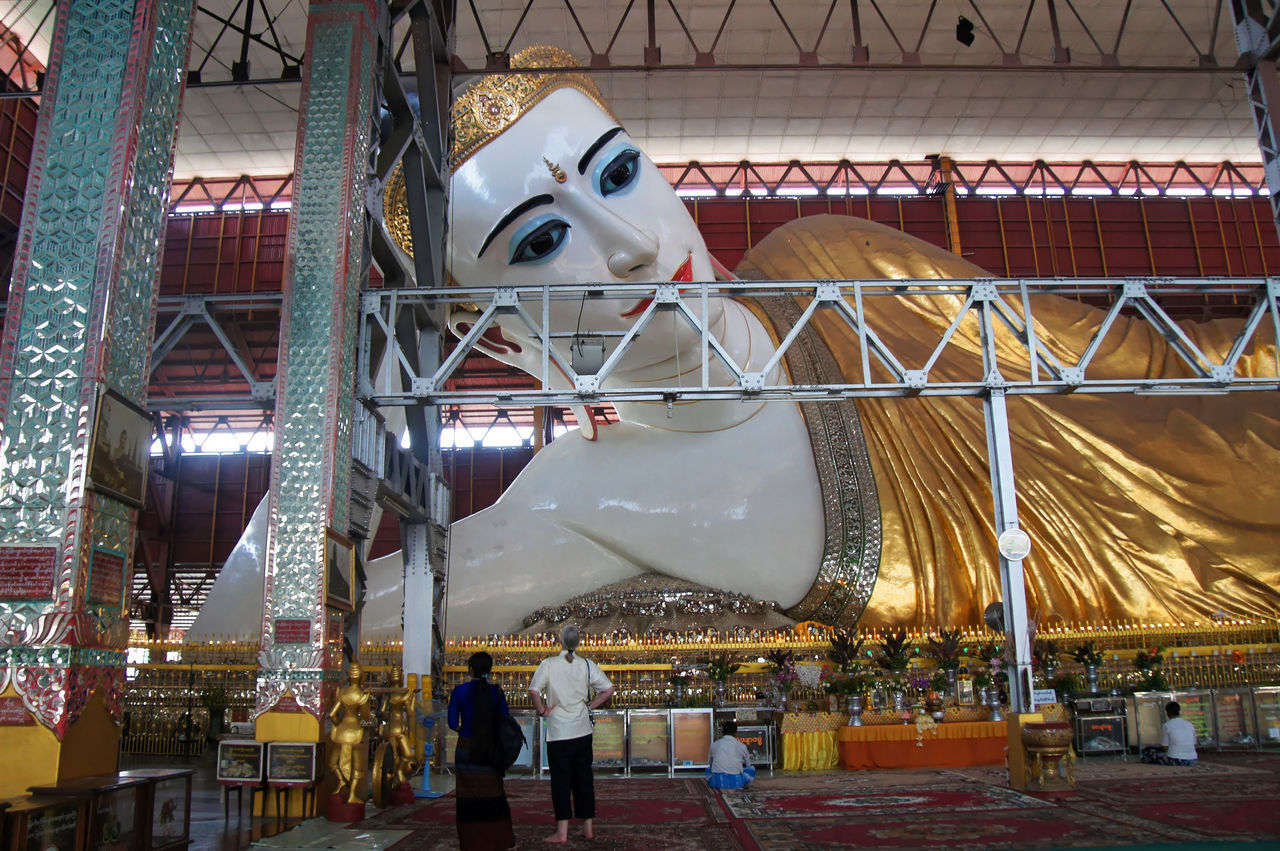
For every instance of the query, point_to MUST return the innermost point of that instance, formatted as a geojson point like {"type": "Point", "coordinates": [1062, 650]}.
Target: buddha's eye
{"type": "Point", "coordinates": [540, 243]}
{"type": "Point", "coordinates": [620, 172]}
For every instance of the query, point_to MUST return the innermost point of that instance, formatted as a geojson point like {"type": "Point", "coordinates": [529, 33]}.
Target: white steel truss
{"type": "Point", "coordinates": [1000, 307]}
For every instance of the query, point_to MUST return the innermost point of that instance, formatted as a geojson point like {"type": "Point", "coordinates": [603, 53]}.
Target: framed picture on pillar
{"type": "Point", "coordinates": [121, 449]}
{"type": "Point", "coordinates": [339, 571]}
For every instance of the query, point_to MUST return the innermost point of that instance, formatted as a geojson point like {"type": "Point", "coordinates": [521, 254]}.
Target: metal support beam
{"type": "Point", "coordinates": [1010, 304]}
{"type": "Point", "coordinates": [1258, 46]}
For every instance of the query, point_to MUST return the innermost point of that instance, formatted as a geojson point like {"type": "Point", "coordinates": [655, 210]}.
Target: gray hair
{"type": "Point", "coordinates": [569, 637]}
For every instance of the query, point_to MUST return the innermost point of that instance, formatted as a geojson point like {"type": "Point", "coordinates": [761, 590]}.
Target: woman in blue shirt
{"type": "Point", "coordinates": [483, 815]}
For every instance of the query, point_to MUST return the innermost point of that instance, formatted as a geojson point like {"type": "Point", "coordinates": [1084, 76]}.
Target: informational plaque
{"type": "Point", "coordinates": [608, 743]}
{"type": "Point", "coordinates": [239, 761]}
{"type": "Point", "coordinates": [691, 738]}
{"type": "Point", "coordinates": [1198, 709]}
{"type": "Point", "coordinates": [26, 573]}
{"type": "Point", "coordinates": [106, 577]}
{"type": "Point", "coordinates": [54, 828]}
{"type": "Point", "coordinates": [650, 739]}
{"type": "Point", "coordinates": [13, 713]}
{"type": "Point", "coordinates": [291, 763]}
{"type": "Point", "coordinates": [293, 631]}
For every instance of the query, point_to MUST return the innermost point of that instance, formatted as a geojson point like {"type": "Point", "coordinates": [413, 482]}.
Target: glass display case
{"type": "Point", "coordinates": [1149, 717]}
{"type": "Point", "coordinates": [1237, 722]}
{"type": "Point", "coordinates": [609, 740]}
{"type": "Point", "coordinates": [1266, 713]}
{"type": "Point", "coordinates": [649, 740]}
{"type": "Point", "coordinates": [691, 734]}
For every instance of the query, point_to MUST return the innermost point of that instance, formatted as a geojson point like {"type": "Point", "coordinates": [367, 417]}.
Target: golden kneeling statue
{"type": "Point", "coordinates": [350, 713]}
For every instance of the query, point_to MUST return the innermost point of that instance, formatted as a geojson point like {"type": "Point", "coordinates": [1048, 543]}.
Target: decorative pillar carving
{"type": "Point", "coordinates": [75, 359]}
{"type": "Point", "coordinates": [328, 264]}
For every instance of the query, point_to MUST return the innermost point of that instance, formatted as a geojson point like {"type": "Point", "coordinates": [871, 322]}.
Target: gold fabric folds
{"type": "Point", "coordinates": [1151, 508]}
{"type": "Point", "coordinates": [809, 751]}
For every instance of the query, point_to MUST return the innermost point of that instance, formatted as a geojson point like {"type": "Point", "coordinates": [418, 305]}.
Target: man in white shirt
{"type": "Point", "coordinates": [562, 690]}
{"type": "Point", "coordinates": [1177, 740]}
{"type": "Point", "coordinates": [731, 766]}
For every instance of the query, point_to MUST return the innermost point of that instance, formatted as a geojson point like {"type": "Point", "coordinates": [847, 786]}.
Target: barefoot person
{"type": "Point", "coordinates": [562, 690]}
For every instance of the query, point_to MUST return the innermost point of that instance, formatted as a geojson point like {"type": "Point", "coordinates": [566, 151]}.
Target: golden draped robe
{"type": "Point", "coordinates": [1150, 508]}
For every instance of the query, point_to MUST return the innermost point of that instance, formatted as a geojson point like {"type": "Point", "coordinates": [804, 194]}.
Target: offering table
{"type": "Point", "coordinates": [953, 744]}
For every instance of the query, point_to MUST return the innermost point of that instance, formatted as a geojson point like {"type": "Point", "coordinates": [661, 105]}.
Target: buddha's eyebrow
{"type": "Point", "coordinates": [595, 148]}
{"type": "Point", "coordinates": [518, 211]}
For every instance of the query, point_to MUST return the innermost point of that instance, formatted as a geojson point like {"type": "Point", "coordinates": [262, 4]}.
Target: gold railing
{"type": "Point", "coordinates": [1219, 654]}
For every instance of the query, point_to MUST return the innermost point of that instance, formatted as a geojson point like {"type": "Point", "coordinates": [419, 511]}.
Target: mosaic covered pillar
{"type": "Point", "coordinates": [74, 363]}
{"type": "Point", "coordinates": [309, 583]}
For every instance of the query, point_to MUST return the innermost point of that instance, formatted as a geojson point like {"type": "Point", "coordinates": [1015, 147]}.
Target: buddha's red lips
{"type": "Point", "coordinates": [682, 275]}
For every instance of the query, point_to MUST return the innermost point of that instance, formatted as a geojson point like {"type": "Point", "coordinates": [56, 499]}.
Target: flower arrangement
{"type": "Point", "coordinates": [981, 679]}
{"type": "Point", "coordinates": [1152, 657]}
{"type": "Point", "coordinates": [998, 673]}
{"type": "Point", "coordinates": [945, 648]}
{"type": "Point", "coordinates": [894, 654]}
{"type": "Point", "coordinates": [938, 682]}
{"type": "Point", "coordinates": [1148, 664]}
{"type": "Point", "coordinates": [1045, 653]}
{"type": "Point", "coordinates": [720, 667]}
{"type": "Point", "coordinates": [809, 674]}
{"type": "Point", "coordinates": [844, 651]}
{"type": "Point", "coordinates": [924, 724]}
{"type": "Point", "coordinates": [779, 658]}
{"type": "Point", "coordinates": [786, 677]}
{"type": "Point", "coordinates": [1087, 653]}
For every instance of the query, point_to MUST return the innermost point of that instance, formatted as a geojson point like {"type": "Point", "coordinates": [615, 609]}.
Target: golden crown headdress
{"type": "Point", "coordinates": [487, 108]}
{"type": "Point", "coordinates": [485, 111]}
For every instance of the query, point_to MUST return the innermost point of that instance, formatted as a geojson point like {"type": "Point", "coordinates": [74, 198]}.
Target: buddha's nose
{"type": "Point", "coordinates": [634, 251]}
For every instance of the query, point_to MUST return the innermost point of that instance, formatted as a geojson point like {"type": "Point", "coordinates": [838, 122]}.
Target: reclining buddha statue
{"type": "Point", "coordinates": [876, 511]}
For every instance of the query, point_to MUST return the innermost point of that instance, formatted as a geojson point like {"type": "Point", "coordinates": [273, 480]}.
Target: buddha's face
{"type": "Point", "coordinates": [565, 196]}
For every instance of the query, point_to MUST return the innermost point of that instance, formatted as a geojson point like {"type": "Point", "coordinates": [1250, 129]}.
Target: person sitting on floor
{"type": "Point", "coordinates": [1177, 741]}
{"type": "Point", "coordinates": [731, 766]}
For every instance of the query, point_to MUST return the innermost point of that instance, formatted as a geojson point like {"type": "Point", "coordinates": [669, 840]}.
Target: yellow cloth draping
{"type": "Point", "coordinates": [809, 751]}
{"type": "Point", "coordinates": [948, 745]}
{"type": "Point", "coordinates": [1139, 507]}
{"type": "Point", "coordinates": [813, 722]}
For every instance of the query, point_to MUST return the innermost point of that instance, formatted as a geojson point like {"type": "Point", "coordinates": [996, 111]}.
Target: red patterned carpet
{"type": "Point", "coordinates": [1230, 798]}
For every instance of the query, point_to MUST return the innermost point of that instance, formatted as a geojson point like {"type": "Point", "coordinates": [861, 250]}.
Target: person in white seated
{"type": "Point", "coordinates": [730, 760]}
{"type": "Point", "coordinates": [875, 511]}
{"type": "Point", "coordinates": [1177, 740]}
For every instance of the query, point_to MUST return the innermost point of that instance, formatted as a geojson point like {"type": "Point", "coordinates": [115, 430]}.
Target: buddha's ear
{"type": "Point", "coordinates": [525, 354]}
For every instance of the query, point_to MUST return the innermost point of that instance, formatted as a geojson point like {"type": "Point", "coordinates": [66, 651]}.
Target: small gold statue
{"type": "Point", "coordinates": [351, 713]}
{"type": "Point", "coordinates": [398, 714]}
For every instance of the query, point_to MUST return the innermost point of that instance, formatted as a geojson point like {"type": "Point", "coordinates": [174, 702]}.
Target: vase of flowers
{"type": "Point", "coordinates": [678, 683]}
{"type": "Point", "coordinates": [719, 668]}
{"type": "Point", "coordinates": [1088, 655]}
